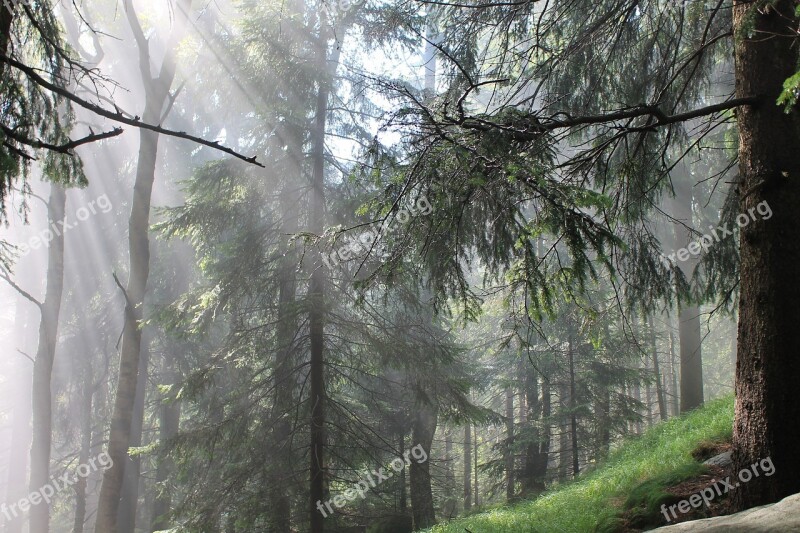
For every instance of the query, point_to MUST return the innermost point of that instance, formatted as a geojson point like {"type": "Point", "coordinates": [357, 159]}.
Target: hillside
{"type": "Point", "coordinates": [637, 471]}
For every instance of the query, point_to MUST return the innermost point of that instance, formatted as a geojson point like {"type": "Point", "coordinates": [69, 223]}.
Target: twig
{"type": "Point", "coordinates": [26, 355]}
{"type": "Point", "coordinates": [21, 291]}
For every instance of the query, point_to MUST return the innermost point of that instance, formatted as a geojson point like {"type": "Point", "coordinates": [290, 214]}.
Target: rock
{"type": "Point", "coordinates": [723, 460]}
{"type": "Point", "coordinates": [781, 517]}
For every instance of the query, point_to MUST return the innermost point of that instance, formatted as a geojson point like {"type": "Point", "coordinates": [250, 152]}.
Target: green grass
{"type": "Point", "coordinates": [637, 471]}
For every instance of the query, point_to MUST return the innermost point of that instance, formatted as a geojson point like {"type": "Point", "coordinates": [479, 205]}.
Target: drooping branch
{"type": "Point", "coordinates": [119, 116]}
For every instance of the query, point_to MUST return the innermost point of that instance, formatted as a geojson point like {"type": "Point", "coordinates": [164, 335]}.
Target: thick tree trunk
{"type": "Point", "coordinates": [768, 366]}
{"type": "Point", "coordinates": [42, 406]}
{"type": "Point", "coordinates": [423, 430]}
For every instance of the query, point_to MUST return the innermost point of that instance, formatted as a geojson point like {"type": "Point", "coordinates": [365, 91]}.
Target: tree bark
{"type": "Point", "coordinates": [509, 451]}
{"type": "Point", "coordinates": [573, 416]}
{"type": "Point", "coordinates": [316, 291]}
{"type": "Point", "coordinates": [422, 433]}
{"type": "Point", "coordinates": [19, 453]}
{"type": "Point", "coordinates": [673, 370]}
{"type": "Point", "coordinates": [537, 450]}
{"type": "Point", "coordinates": [475, 468]}
{"type": "Point", "coordinates": [662, 403]}
{"type": "Point", "coordinates": [563, 438]}
{"type": "Point", "coordinates": [768, 367]}
{"type": "Point", "coordinates": [157, 93]}
{"type": "Point", "coordinates": [87, 393]}
{"type": "Point", "coordinates": [129, 498]}
{"type": "Point", "coordinates": [691, 356]}
{"type": "Point", "coordinates": [467, 467]}
{"type": "Point", "coordinates": [42, 407]}
{"type": "Point", "coordinates": [168, 427]}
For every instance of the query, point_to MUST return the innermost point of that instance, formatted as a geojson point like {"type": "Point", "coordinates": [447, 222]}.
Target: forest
{"type": "Point", "coordinates": [383, 266]}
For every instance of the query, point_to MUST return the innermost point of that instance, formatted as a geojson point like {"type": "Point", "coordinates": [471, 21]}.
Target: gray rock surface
{"type": "Point", "coordinates": [722, 460]}
{"type": "Point", "coordinates": [781, 517]}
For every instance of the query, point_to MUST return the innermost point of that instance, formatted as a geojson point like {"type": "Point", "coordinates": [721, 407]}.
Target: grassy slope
{"type": "Point", "coordinates": [596, 498]}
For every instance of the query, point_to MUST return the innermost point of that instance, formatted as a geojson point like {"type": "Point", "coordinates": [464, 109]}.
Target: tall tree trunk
{"type": "Point", "coordinates": [509, 451]}
{"type": "Point", "coordinates": [662, 403]}
{"type": "Point", "coordinates": [401, 478]}
{"type": "Point", "coordinates": [129, 499]}
{"type": "Point", "coordinates": [475, 468]}
{"type": "Point", "coordinates": [689, 313]}
{"type": "Point", "coordinates": [563, 438]}
{"type": "Point", "coordinates": [422, 433]}
{"type": "Point", "coordinates": [602, 411]}
{"type": "Point", "coordinates": [467, 467]}
{"type": "Point", "coordinates": [42, 406]}
{"type": "Point", "coordinates": [449, 507]}
{"type": "Point", "coordinates": [673, 370]}
{"type": "Point", "coordinates": [573, 415]}
{"type": "Point", "coordinates": [19, 453]}
{"type": "Point", "coordinates": [543, 458]}
{"type": "Point", "coordinates": [87, 393]}
{"type": "Point", "coordinates": [537, 449]}
{"type": "Point", "coordinates": [169, 424]}
{"type": "Point", "coordinates": [768, 366]}
{"type": "Point", "coordinates": [316, 291]}
{"type": "Point", "coordinates": [157, 93]}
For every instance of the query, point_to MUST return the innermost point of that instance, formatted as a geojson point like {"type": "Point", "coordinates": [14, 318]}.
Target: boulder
{"type": "Point", "coordinates": [781, 517]}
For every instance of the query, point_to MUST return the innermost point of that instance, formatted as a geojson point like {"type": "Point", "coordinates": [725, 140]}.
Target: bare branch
{"type": "Point", "coordinates": [118, 116]}
{"type": "Point", "coordinates": [21, 291]}
{"type": "Point", "coordinates": [63, 148]}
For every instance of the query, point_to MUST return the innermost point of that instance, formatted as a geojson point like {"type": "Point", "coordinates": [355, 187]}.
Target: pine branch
{"type": "Point", "coordinates": [531, 127]}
